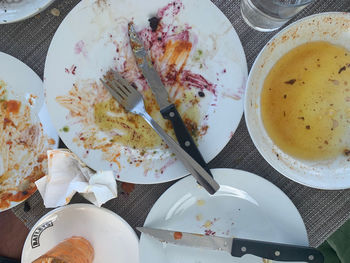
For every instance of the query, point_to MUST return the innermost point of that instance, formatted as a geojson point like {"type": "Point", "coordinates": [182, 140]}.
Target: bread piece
{"type": "Point", "coordinates": [72, 250]}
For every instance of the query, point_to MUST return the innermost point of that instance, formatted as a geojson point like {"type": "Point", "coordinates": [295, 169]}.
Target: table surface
{"type": "Point", "coordinates": [322, 211]}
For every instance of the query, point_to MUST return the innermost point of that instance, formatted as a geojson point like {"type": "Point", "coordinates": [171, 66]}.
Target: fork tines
{"type": "Point", "coordinates": [113, 80]}
{"type": "Point", "coordinates": [124, 92]}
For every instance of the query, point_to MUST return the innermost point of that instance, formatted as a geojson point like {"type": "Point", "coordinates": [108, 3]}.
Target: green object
{"type": "Point", "coordinates": [329, 254]}
{"type": "Point", "coordinates": [336, 249]}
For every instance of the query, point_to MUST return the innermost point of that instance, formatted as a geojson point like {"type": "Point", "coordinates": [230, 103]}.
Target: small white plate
{"type": "Point", "coordinates": [16, 10]}
{"type": "Point", "coordinates": [23, 83]}
{"type": "Point", "coordinates": [328, 174]}
{"type": "Point", "coordinates": [113, 240]}
{"type": "Point", "coordinates": [246, 206]}
{"type": "Point", "coordinates": [93, 38]}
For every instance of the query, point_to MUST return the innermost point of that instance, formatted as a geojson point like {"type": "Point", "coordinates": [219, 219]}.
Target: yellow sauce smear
{"type": "Point", "coordinates": [132, 130]}
{"type": "Point", "coordinates": [128, 129]}
{"type": "Point", "coordinates": [305, 103]}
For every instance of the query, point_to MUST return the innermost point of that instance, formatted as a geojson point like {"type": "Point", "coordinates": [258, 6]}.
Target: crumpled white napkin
{"type": "Point", "coordinates": [67, 174]}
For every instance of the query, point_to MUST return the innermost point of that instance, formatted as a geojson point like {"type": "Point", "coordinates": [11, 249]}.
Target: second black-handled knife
{"type": "Point", "coordinates": [238, 247]}
{"type": "Point", "coordinates": [167, 109]}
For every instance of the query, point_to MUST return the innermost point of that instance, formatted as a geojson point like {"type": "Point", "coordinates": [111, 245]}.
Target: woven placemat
{"type": "Point", "coordinates": [323, 211]}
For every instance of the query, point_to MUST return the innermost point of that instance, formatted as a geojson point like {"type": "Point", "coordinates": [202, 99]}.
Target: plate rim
{"type": "Point", "coordinates": [77, 206]}
{"type": "Point", "coordinates": [21, 18]}
{"type": "Point", "coordinates": [246, 103]}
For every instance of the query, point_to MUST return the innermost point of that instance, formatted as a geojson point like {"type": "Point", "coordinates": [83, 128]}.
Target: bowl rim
{"type": "Point", "coordinates": [247, 103]}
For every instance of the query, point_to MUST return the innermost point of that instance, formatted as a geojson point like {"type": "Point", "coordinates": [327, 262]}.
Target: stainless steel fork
{"type": "Point", "coordinates": [132, 101]}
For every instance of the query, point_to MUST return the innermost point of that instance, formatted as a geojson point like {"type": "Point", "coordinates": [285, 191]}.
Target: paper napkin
{"type": "Point", "coordinates": [67, 175]}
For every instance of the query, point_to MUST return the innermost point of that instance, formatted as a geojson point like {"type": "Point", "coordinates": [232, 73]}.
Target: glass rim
{"type": "Point", "coordinates": [301, 3]}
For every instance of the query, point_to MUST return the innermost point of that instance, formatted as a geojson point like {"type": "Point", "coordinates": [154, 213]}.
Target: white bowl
{"type": "Point", "coordinates": [332, 27]}
{"type": "Point", "coordinates": [113, 239]}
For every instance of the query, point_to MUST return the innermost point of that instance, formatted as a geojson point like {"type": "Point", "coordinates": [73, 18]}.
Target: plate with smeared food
{"type": "Point", "coordinates": [26, 132]}
{"type": "Point", "coordinates": [201, 63]}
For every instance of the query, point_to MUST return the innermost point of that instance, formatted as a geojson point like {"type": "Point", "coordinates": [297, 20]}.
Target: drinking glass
{"type": "Point", "coordinates": [269, 15]}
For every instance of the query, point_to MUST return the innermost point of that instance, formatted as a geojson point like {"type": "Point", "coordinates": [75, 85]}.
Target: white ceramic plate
{"type": "Point", "coordinates": [93, 38]}
{"type": "Point", "coordinates": [16, 10]}
{"type": "Point", "coordinates": [22, 83]}
{"type": "Point", "coordinates": [113, 240]}
{"type": "Point", "coordinates": [330, 174]}
{"type": "Point", "coordinates": [246, 206]}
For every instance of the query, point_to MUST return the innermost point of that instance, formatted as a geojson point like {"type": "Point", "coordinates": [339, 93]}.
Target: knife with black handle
{"type": "Point", "coordinates": [275, 251]}
{"type": "Point", "coordinates": [183, 136]}
{"type": "Point", "coordinates": [167, 109]}
{"type": "Point", "coordinates": [238, 247]}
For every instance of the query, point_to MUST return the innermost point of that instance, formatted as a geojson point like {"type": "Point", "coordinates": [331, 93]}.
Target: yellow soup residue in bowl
{"type": "Point", "coordinates": [305, 101]}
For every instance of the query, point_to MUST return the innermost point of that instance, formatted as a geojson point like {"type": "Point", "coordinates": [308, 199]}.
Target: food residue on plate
{"type": "Point", "coordinates": [105, 124]}
{"type": "Point", "coordinates": [80, 48]}
{"type": "Point", "coordinates": [3, 90]}
{"type": "Point", "coordinates": [31, 99]}
{"type": "Point", "coordinates": [199, 217]}
{"type": "Point", "coordinates": [208, 224]}
{"type": "Point", "coordinates": [209, 232]}
{"type": "Point", "coordinates": [177, 235]}
{"type": "Point", "coordinates": [200, 202]}
{"type": "Point", "coordinates": [23, 157]}
{"type": "Point", "coordinates": [305, 103]}
{"type": "Point", "coordinates": [71, 70]}
{"type": "Point", "coordinates": [264, 260]}
{"type": "Point", "coordinates": [133, 131]}
{"type": "Point", "coordinates": [64, 129]}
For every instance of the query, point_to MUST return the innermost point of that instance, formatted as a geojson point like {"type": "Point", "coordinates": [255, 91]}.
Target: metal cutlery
{"type": "Point", "coordinates": [132, 101]}
{"type": "Point", "coordinates": [238, 247]}
{"type": "Point", "coordinates": [167, 109]}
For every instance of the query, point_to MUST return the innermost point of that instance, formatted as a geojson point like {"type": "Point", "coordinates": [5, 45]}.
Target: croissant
{"type": "Point", "coordinates": [72, 250]}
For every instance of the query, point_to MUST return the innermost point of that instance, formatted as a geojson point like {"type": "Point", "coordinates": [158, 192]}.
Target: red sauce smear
{"type": "Point", "coordinates": [170, 48]}
{"type": "Point", "coordinates": [7, 198]}
{"type": "Point", "coordinates": [71, 70]}
{"type": "Point", "coordinates": [209, 232]}
{"type": "Point", "coordinates": [198, 81]}
{"type": "Point", "coordinates": [13, 106]}
{"type": "Point", "coordinates": [177, 235]}
{"type": "Point", "coordinates": [172, 9]}
{"type": "Point", "coordinates": [80, 48]}
{"type": "Point", "coordinates": [7, 121]}
{"type": "Point", "coordinates": [20, 196]}
{"type": "Point", "coordinates": [128, 188]}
